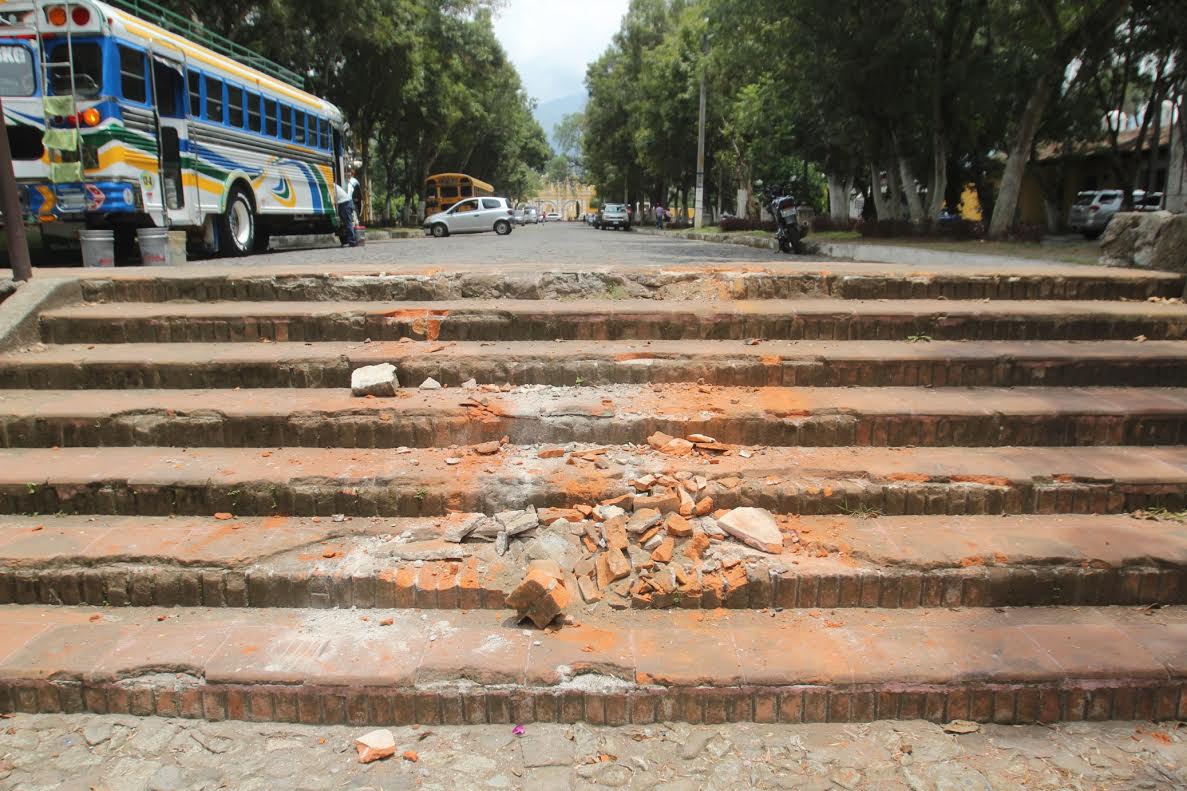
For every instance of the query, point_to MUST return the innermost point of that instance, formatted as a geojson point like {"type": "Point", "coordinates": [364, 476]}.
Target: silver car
{"type": "Point", "coordinates": [1092, 211]}
{"type": "Point", "coordinates": [472, 215]}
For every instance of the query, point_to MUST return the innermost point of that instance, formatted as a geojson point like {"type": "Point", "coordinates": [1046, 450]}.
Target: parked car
{"type": "Point", "coordinates": [1092, 211]}
{"type": "Point", "coordinates": [554, 216]}
{"type": "Point", "coordinates": [531, 216]}
{"type": "Point", "coordinates": [613, 215]}
{"type": "Point", "coordinates": [473, 215]}
{"type": "Point", "coordinates": [518, 216]}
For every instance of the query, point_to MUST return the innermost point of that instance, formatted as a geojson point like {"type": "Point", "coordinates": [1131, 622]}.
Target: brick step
{"type": "Point", "coordinates": [425, 482]}
{"type": "Point", "coordinates": [763, 280]}
{"type": "Point", "coordinates": [887, 416]}
{"type": "Point", "coordinates": [726, 363]}
{"type": "Point", "coordinates": [888, 562]}
{"type": "Point", "coordinates": [522, 320]}
{"type": "Point", "coordinates": [395, 667]}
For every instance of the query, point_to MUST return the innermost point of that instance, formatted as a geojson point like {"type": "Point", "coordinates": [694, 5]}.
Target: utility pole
{"type": "Point", "coordinates": [14, 220]}
{"type": "Point", "coordinates": [700, 199]}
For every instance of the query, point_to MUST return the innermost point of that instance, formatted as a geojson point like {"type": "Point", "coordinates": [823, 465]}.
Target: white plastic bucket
{"type": "Point", "coordinates": [154, 246]}
{"type": "Point", "coordinates": [98, 248]}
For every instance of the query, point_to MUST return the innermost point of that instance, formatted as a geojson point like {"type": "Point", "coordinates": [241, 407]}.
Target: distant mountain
{"type": "Point", "coordinates": [550, 113]}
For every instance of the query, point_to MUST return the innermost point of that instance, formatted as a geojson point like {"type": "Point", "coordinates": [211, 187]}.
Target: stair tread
{"type": "Point", "coordinates": [367, 545]}
{"type": "Point", "coordinates": [684, 402]}
{"type": "Point", "coordinates": [20, 466]}
{"type": "Point", "coordinates": [668, 649]}
{"type": "Point", "coordinates": [639, 352]}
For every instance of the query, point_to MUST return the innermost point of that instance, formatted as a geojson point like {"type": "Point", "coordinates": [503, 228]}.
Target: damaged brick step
{"type": "Point", "coordinates": [785, 280]}
{"type": "Point", "coordinates": [722, 363]}
{"type": "Point", "coordinates": [428, 482]}
{"type": "Point", "coordinates": [888, 416]}
{"type": "Point", "coordinates": [1022, 665]}
{"type": "Point", "coordinates": [835, 562]}
{"type": "Point", "coordinates": [546, 320]}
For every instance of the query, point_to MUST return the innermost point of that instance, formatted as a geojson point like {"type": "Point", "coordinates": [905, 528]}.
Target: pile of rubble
{"type": "Point", "coordinates": [654, 547]}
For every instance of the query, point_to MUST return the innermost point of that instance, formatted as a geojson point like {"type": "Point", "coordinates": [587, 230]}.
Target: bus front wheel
{"type": "Point", "coordinates": [237, 225]}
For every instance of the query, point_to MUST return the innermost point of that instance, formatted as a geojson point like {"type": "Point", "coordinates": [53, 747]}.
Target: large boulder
{"type": "Point", "coordinates": [1147, 240]}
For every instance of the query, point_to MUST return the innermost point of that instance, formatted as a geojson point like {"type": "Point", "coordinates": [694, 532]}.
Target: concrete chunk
{"type": "Point", "coordinates": [754, 527]}
{"type": "Point", "coordinates": [374, 380]}
{"type": "Point", "coordinates": [379, 743]}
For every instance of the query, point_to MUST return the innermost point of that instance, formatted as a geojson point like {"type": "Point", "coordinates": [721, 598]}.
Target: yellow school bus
{"type": "Point", "coordinates": [445, 189]}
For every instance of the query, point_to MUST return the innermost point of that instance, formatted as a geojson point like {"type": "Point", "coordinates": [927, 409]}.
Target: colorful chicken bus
{"type": "Point", "coordinates": [116, 122]}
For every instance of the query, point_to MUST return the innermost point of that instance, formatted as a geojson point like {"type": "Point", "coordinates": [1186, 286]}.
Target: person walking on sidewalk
{"type": "Point", "coordinates": [659, 218]}
{"type": "Point", "coordinates": [345, 215]}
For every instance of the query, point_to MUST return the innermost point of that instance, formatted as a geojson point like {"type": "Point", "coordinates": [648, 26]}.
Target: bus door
{"type": "Point", "coordinates": [169, 97]}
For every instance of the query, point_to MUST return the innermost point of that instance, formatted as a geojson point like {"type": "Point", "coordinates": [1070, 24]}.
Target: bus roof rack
{"type": "Point", "coordinates": [176, 23]}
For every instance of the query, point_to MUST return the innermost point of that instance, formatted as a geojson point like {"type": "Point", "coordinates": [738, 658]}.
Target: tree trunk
{"type": "Point", "coordinates": [838, 199]}
{"type": "Point", "coordinates": [1176, 174]}
{"type": "Point", "coordinates": [1011, 187]}
{"type": "Point", "coordinates": [1071, 42]}
{"type": "Point", "coordinates": [881, 205]}
{"type": "Point", "coordinates": [910, 188]}
{"type": "Point", "coordinates": [938, 188]}
{"type": "Point", "coordinates": [895, 189]}
{"type": "Point", "coordinates": [911, 191]}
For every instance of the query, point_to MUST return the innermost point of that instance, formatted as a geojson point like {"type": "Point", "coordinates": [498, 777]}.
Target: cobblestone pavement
{"type": "Point", "coordinates": [110, 753]}
{"type": "Point", "coordinates": [569, 244]}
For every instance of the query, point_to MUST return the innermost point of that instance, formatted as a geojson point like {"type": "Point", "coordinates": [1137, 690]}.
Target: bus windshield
{"type": "Point", "coordinates": [88, 70]}
{"type": "Point", "coordinates": [16, 71]}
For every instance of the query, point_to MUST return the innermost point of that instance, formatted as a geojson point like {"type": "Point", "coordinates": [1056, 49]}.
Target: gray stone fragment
{"type": "Point", "coordinates": [167, 778]}
{"type": "Point", "coordinates": [501, 542]}
{"type": "Point", "coordinates": [374, 380]}
{"type": "Point", "coordinates": [97, 732]}
{"type": "Point", "coordinates": [456, 530]}
{"type": "Point", "coordinates": [430, 384]}
{"type": "Point", "coordinates": [516, 522]}
{"type": "Point", "coordinates": [546, 747]}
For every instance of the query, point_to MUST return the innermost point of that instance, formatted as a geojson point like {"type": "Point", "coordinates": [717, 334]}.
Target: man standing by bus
{"type": "Point", "coordinates": [345, 214]}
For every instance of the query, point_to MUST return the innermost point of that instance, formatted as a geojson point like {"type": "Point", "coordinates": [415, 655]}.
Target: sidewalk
{"type": "Point", "coordinates": [906, 253]}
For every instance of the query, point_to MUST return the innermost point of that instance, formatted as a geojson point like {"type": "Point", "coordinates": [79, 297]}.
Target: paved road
{"type": "Point", "coordinates": [85, 752]}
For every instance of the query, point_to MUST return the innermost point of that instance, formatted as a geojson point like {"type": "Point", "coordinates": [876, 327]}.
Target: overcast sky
{"type": "Point", "coordinates": [551, 41]}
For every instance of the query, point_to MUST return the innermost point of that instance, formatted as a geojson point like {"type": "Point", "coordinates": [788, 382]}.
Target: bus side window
{"type": "Point", "coordinates": [235, 106]}
{"type": "Point", "coordinates": [269, 117]}
{"type": "Point", "coordinates": [299, 125]}
{"type": "Point", "coordinates": [214, 100]}
{"type": "Point", "coordinates": [286, 122]}
{"type": "Point", "coordinates": [253, 112]}
{"type": "Point", "coordinates": [324, 125]}
{"type": "Point", "coordinates": [195, 83]}
{"type": "Point", "coordinates": [132, 81]}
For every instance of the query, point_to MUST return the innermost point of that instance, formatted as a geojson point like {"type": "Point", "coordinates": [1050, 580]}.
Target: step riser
{"type": "Point", "coordinates": [502, 326]}
{"type": "Point", "coordinates": [555, 285]}
{"type": "Point", "coordinates": [393, 430]}
{"type": "Point", "coordinates": [809, 372]}
{"type": "Point", "coordinates": [1076, 700]}
{"type": "Point", "coordinates": [433, 497]}
{"type": "Point", "coordinates": [1002, 586]}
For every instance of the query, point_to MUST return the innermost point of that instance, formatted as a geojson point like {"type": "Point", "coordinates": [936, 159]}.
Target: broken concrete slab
{"type": "Point", "coordinates": [377, 744]}
{"type": "Point", "coordinates": [374, 380]}
{"type": "Point", "coordinates": [754, 527]}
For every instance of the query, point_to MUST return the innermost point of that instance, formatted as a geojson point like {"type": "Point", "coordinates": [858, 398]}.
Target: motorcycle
{"type": "Point", "coordinates": [789, 231]}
